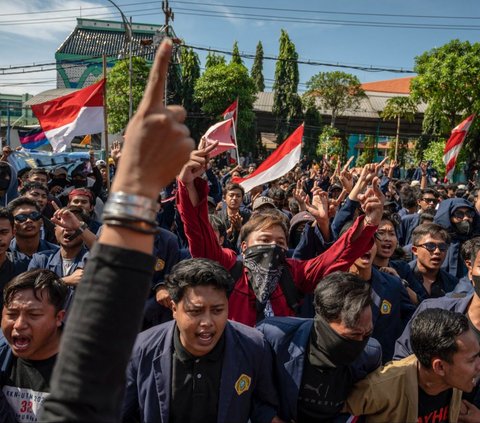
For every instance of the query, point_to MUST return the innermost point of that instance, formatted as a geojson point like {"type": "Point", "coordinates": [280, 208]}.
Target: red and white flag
{"type": "Point", "coordinates": [281, 161]}
{"type": "Point", "coordinates": [454, 145]}
{"type": "Point", "coordinates": [231, 111]}
{"type": "Point", "coordinates": [223, 133]}
{"type": "Point", "coordinates": [75, 114]}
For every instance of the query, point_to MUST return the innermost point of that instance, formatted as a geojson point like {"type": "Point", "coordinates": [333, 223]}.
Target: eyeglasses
{"type": "Point", "coordinates": [22, 217]}
{"type": "Point", "coordinates": [432, 246]}
{"type": "Point", "coordinates": [430, 200]}
{"type": "Point", "coordinates": [460, 214]}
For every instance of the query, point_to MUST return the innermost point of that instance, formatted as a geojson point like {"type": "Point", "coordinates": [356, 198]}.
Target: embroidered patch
{"type": "Point", "coordinates": [243, 384]}
{"type": "Point", "coordinates": [159, 265]}
{"type": "Point", "coordinates": [386, 307]}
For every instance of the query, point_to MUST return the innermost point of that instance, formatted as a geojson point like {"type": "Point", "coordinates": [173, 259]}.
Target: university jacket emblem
{"type": "Point", "coordinates": [243, 384]}
{"type": "Point", "coordinates": [386, 307]}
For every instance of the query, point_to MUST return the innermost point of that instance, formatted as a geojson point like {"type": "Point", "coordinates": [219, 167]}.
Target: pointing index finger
{"type": "Point", "coordinates": [154, 92]}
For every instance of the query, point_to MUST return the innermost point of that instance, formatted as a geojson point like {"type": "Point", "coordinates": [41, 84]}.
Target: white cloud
{"type": "Point", "coordinates": [44, 19]}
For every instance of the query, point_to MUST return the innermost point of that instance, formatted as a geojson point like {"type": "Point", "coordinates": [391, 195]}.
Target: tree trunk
{"type": "Point", "coordinates": [397, 138]}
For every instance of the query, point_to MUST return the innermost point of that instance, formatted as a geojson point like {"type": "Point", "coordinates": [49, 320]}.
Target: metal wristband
{"type": "Point", "coordinates": [130, 211]}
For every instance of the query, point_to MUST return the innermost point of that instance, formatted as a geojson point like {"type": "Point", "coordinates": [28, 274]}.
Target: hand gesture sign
{"type": "Point", "coordinates": [157, 143]}
{"type": "Point", "coordinates": [197, 164]}
{"type": "Point", "coordinates": [346, 177]}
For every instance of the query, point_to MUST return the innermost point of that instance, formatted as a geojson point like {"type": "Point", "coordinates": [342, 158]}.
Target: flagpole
{"type": "Point", "coordinates": [235, 132]}
{"type": "Point", "coordinates": [105, 125]}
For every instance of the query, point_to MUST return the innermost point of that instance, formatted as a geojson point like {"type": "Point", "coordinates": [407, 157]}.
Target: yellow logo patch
{"type": "Point", "coordinates": [243, 384]}
{"type": "Point", "coordinates": [386, 307]}
{"type": "Point", "coordinates": [159, 265]}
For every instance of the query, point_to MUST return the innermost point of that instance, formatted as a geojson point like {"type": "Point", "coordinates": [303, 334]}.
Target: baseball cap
{"type": "Point", "coordinates": [263, 201]}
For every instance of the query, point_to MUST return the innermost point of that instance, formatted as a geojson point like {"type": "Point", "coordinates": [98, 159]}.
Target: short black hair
{"type": "Point", "coordinates": [38, 171]}
{"type": "Point", "coordinates": [197, 272]}
{"type": "Point", "coordinates": [217, 225]}
{"type": "Point", "coordinates": [433, 335]}
{"type": "Point", "coordinates": [22, 201]}
{"type": "Point", "coordinates": [342, 296]}
{"type": "Point", "coordinates": [6, 214]}
{"type": "Point", "coordinates": [432, 229]}
{"type": "Point", "coordinates": [29, 185]}
{"type": "Point", "coordinates": [38, 280]}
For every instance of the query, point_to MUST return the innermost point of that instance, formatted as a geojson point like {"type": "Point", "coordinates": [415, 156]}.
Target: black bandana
{"type": "Point", "coordinates": [329, 349]}
{"type": "Point", "coordinates": [265, 264]}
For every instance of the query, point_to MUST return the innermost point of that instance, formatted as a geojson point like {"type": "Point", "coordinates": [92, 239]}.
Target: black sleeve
{"type": "Point", "coordinates": [88, 381]}
{"type": "Point", "coordinates": [97, 186]}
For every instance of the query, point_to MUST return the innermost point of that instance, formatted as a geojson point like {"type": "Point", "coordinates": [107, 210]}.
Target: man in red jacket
{"type": "Point", "coordinates": [268, 284]}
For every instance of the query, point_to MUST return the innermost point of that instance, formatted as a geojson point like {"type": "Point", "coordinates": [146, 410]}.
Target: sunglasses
{"type": "Point", "coordinates": [430, 200]}
{"type": "Point", "coordinates": [432, 246]}
{"type": "Point", "coordinates": [459, 214]}
{"type": "Point", "coordinates": [22, 217]}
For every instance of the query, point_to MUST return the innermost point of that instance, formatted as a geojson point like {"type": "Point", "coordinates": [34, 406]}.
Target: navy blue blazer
{"type": "Point", "coordinates": [148, 391]}
{"type": "Point", "coordinates": [288, 337]}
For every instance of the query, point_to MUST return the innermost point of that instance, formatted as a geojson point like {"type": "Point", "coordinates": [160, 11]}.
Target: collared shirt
{"type": "Point", "coordinates": [195, 383]}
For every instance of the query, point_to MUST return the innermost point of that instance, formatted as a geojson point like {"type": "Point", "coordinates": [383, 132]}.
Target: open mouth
{"type": "Point", "coordinates": [366, 257]}
{"type": "Point", "coordinates": [205, 338]}
{"type": "Point", "coordinates": [21, 343]}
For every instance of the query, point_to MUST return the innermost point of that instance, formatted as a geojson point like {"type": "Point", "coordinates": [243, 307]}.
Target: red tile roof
{"type": "Point", "coordinates": [397, 86]}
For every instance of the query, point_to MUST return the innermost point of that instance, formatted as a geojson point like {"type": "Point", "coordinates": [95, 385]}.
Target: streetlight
{"type": "Point", "coordinates": [128, 38]}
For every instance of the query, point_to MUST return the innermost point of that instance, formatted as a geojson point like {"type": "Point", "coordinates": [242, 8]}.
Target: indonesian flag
{"type": "Point", "coordinates": [223, 133]}
{"type": "Point", "coordinates": [454, 145]}
{"type": "Point", "coordinates": [75, 114]}
{"type": "Point", "coordinates": [231, 111]}
{"type": "Point", "coordinates": [281, 161]}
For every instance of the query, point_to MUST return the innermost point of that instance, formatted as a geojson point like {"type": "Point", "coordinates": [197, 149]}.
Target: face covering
{"type": "Point", "coordinates": [4, 183]}
{"type": "Point", "coordinates": [265, 264]}
{"type": "Point", "coordinates": [476, 284]}
{"type": "Point", "coordinates": [79, 183]}
{"type": "Point", "coordinates": [329, 349]}
{"type": "Point", "coordinates": [463, 227]}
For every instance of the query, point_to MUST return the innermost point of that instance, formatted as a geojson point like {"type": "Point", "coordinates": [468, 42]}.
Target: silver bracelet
{"type": "Point", "coordinates": [133, 207]}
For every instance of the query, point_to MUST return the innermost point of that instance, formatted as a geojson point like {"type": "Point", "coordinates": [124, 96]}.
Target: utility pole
{"type": "Point", "coordinates": [167, 10]}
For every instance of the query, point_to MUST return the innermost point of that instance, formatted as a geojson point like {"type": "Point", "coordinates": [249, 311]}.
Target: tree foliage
{"type": "Point", "coordinates": [313, 128]}
{"type": "Point", "coordinates": [190, 74]}
{"type": "Point", "coordinates": [448, 80]}
{"type": "Point", "coordinates": [287, 105]}
{"type": "Point", "coordinates": [369, 151]}
{"type": "Point", "coordinates": [236, 55]}
{"type": "Point", "coordinates": [257, 68]}
{"type": "Point", "coordinates": [434, 152]}
{"type": "Point", "coordinates": [218, 87]}
{"type": "Point", "coordinates": [336, 91]}
{"type": "Point", "coordinates": [118, 91]}
{"type": "Point", "coordinates": [331, 144]}
{"type": "Point", "coordinates": [214, 59]}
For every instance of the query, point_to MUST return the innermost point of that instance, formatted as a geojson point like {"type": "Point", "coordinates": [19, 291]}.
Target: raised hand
{"type": "Point", "coordinates": [197, 165]}
{"type": "Point", "coordinates": [346, 177]}
{"type": "Point", "coordinates": [157, 143]}
{"type": "Point", "coordinates": [372, 203]}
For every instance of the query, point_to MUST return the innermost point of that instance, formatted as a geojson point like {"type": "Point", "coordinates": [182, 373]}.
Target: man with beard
{"type": "Point", "coordinates": [459, 217]}
{"type": "Point", "coordinates": [427, 203]}
{"type": "Point", "coordinates": [74, 239]}
{"type": "Point", "coordinates": [267, 283]}
{"type": "Point", "coordinates": [28, 225]}
{"type": "Point", "coordinates": [430, 247]}
{"type": "Point", "coordinates": [317, 361]}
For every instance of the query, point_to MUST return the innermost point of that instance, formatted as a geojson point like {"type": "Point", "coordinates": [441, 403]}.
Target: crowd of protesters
{"type": "Point", "coordinates": [334, 291]}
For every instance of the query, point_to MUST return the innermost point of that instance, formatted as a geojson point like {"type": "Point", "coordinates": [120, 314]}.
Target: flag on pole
{"type": "Point", "coordinates": [231, 111]}
{"type": "Point", "coordinates": [281, 161]}
{"type": "Point", "coordinates": [454, 145]}
{"type": "Point", "coordinates": [223, 133]}
{"type": "Point", "coordinates": [33, 138]}
{"type": "Point", "coordinates": [75, 114]}
{"type": "Point", "coordinates": [87, 140]}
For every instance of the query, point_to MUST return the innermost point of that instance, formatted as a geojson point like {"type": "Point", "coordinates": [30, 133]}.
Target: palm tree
{"type": "Point", "coordinates": [399, 108]}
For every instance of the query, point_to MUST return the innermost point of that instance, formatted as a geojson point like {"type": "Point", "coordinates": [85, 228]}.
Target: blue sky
{"type": "Point", "coordinates": [351, 32]}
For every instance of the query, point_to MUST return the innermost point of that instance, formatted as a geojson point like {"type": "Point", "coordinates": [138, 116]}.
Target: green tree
{"type": "Point", "coordinates": [257, 68]}
{"type": "Point", "coordinates": [287, 105]}
{"type": "Point", "coordinates": [118, 91]}
{"type": "Point", "coordinates": [448, 80]}
{"type": "Point", "coordinates": [336, 91]}
{"type": "Point", "coordinates": [331, 144]}
{"type": "Point", "coordinates": [313, 127]}
{"type": "Point", "coordinates": [236, 55]}
{"type": "Point", "coordinates": [368, 153]}
{"type": "Point", "coordinates": [399, 108]}
{"type": "Point", "coordinates": [214, 59]}
{"type": "Point", "coordinates": [190, 74]}
{"type": "Point", "coordinates": [434, 152]}
{"type": "Point", "coordinates": [218, 87]}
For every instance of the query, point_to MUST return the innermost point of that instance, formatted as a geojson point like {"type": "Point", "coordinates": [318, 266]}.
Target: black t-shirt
{"type": "Point", "coordinates": [322, 392]}
{"type": "Point", "coordinates": [433, 408]}
{"type": "Point", "coordinates": [195, 383]}
{"type": "Point", "coordinates": [28, 386]}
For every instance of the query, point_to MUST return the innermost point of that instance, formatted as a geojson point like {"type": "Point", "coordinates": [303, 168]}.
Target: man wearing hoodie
{"type": "Point", "coordinates": [459, 217]}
